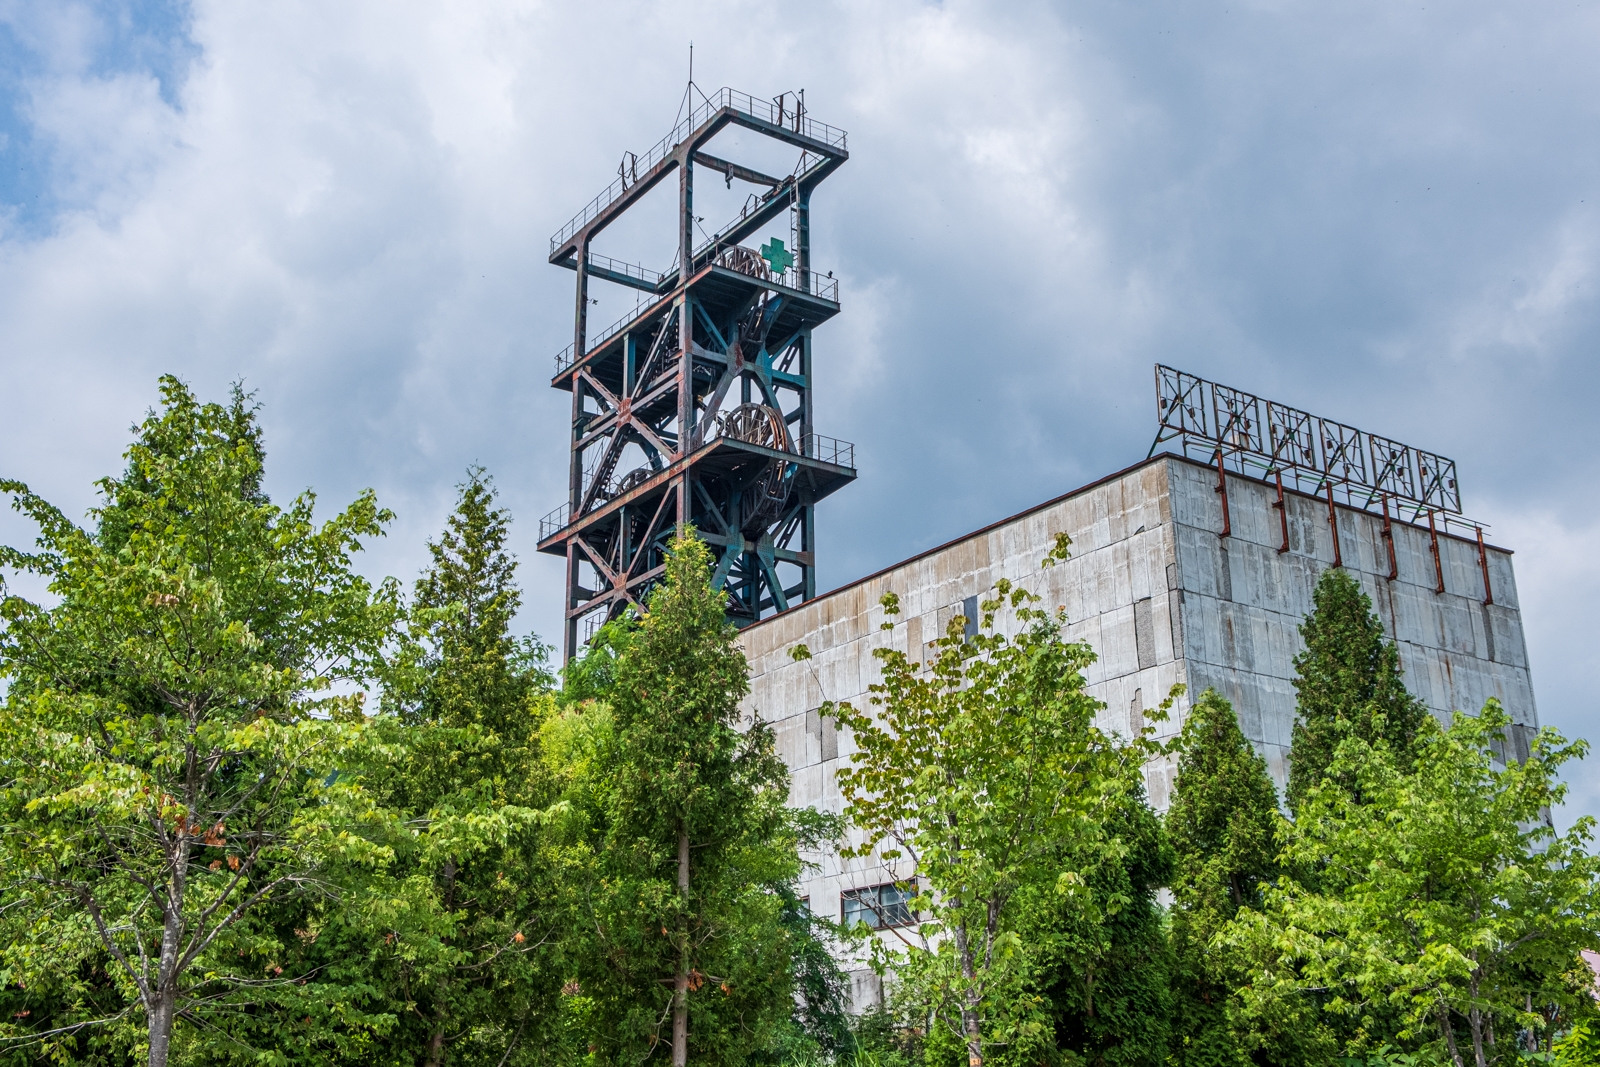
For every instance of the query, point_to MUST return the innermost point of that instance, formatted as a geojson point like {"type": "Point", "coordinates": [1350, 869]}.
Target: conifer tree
{"type": "Point", "coordinates": [1222, 824]}
{"type": "Point", "coordinates": [1106, 972]}
{"type": "Point", "coordinates": [1348, 684]}
{"type": "Point", "coordinates": [690, 945]}
{"type": "Point", "coordinates": [473, 976]}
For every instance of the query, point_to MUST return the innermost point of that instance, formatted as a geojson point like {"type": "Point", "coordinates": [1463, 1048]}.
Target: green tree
{"type": "Point", "coordinates": [592, 674]}
{"type": "Point", "coordinates": [1458, 909]}
{"type": "Point", "coordinates": [982, 772]}
{"type": "Point", "coordinates": [1348, 684]}
{"type": "Point", "coordinates": [1104, 965]}
{"type": "Point", "coordinates": [1223, 823]}
{"type": "Point", "coordinates": [477, 975]}
{"type": "Point", "coordinates": [172, 734]}
{"type": "Point", "coordinates": [690, 841]}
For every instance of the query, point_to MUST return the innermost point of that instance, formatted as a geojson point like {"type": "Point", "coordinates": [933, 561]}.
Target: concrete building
{"type": "Point", "coordinates": [1163, 598]}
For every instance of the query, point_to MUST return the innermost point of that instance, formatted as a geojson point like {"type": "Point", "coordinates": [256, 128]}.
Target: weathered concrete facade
{"type": "Point", "coordinates": [1162, 599]}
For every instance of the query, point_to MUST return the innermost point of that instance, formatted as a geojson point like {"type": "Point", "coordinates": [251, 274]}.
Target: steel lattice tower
{"type": "Point", "coordinates": [697, 407]}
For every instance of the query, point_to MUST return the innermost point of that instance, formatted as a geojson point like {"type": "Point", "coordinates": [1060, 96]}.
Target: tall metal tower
{"type": "Point", "coordinates": [696, 407]}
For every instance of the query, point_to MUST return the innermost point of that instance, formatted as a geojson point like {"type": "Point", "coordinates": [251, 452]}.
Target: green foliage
{"type": "Point", "coordinates": [1223, 824]}
{"type": "Point", "coordinates": [1106, 970]}
{"type": "Point", "coordinates": [1580, 1046]}
{"type": "Point", "coordinates": [467, 946]}
{"type": "Point", "coordinates": [1348, 684]}
{"type": "Point", "coordinates": [1455, 907]}
{"type": "Point", "coordinates": [592, 674]}
{"type": "Point", "coordinates": [690, 841]}
{"type": "Point", "coordinates": [819, 1026]}
{"type": "Point", "coordinates": [174, 739]}
{"type": "Point", "coordinates": [983, 777]}
{"type": "Point", "coordinates": [1222, 817]}
{"type": "Point", "coordinates": [210, 854]}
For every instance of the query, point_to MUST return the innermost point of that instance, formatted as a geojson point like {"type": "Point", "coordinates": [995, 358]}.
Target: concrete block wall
{"type": "Point", "coordinates": [1243, 602]}
{"type": "Point", "coordinates": [1162, 599]}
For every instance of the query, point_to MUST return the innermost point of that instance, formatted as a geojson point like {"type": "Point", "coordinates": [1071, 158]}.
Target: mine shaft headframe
{"type": "Point", "coordinates": [784, 118]}
{"type": "Point", "coordinates": [706, 385]}
{"type": "Point", "coordinates": [1223, 425]}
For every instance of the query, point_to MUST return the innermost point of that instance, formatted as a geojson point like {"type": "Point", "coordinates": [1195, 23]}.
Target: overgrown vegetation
{"type": "Point", "coordinates": [255, 808]}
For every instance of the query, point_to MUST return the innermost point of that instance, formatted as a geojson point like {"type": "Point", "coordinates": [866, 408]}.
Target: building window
{"type": "Point", "coordinates": [879, 906]}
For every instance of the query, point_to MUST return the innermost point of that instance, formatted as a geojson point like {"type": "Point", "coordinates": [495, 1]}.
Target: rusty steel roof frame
{"type": "Point", "coordinates": [1224, 425]}
{"type": "Point", "coordinates": [721, 332]}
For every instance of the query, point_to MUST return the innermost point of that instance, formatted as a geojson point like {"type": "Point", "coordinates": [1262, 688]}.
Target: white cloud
{"type": "Point", "coordinates": [1366, 210]}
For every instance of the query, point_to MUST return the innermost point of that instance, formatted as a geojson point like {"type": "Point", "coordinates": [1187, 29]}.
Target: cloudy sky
{"type": "Point", "coordinates": [1377, 210]}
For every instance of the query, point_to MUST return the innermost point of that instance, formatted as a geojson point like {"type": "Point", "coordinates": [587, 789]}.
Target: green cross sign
{"type": "Point", "coordinates": [780, 258]}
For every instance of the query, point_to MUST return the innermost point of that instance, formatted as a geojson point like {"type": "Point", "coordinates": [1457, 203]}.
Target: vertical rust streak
{"type": "Point", "coordinates": [1222, 488]}
{"type": "Point", "coordinates": [1388, 540]}
{"type": "Point", "coordinates": [1283, 512]}
{"type": "Point", "coordinates": [1438, 564]}
{"type": "Point", "coordinates": [1483, 565]}
{"type": "Point", "coordinates": [1333, 525]}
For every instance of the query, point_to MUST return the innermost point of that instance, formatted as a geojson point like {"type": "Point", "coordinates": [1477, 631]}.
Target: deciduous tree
{"type": "Point", "coordinates": [982, 773]}
{"type": "Point", "coordinates": [1453, 906]}
{"type": "Point", "coordinates": [174, 730]}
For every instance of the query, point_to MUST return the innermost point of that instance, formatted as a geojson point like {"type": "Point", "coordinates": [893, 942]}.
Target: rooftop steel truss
{"type": "Point", "coordinates": [1226, 425]}
{"type": "Point", "coordinates": [696, 408]}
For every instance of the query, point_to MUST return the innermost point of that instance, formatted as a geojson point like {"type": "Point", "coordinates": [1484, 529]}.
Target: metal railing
{"type": "Point", "coordinates": [555, 522]}
{"type": "Point", "coordinates": [592, 623]}
{"type": "Point", "coordinates": [813, 445]}
{"type": "Point", "coordinates": [776, 111]}
{"type": "Point", "coordinates": [650, 277]}
{"type": "Point", "coordinates": [564, 357]}
{"type": "Point", "coordinates": [821, 286]}
{"type": "Point", "coordinates": [824, 286]}
{"type": "Point", "coordinates": [829, 450]}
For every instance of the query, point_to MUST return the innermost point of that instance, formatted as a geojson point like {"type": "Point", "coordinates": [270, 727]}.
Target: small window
{"type": "Point", "coordinates": [879, 906]}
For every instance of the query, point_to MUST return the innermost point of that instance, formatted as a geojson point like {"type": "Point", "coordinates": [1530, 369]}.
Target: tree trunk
{"type": "Point", "coordinates": [1449, 1036]}
{"type": "Point", "coordinates": [1475, 1019]}
{"type": "Point", "coordinates": [164, 991]}
{"type": "Point", "coordinates": [161, 1028]}
{"type": "Point", "coordinates": [680, 992]}
{"type": "Point", "coordinates": [971, 1021]}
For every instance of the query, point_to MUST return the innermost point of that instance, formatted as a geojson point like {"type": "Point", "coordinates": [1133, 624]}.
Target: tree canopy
{"type": "Point", "coordinates": [256, 808]}
{"type": "Point", "coordinates": [981, 777]}
{"type": "Point", "coordinates": [175, 727]}
{"type": "Point", "coordinates": [1454, 907]}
